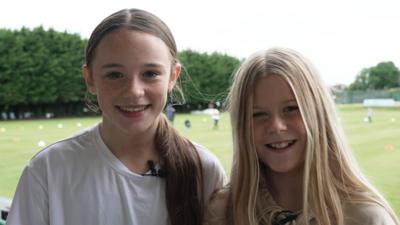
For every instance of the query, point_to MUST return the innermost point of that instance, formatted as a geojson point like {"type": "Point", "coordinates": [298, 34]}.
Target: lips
{"type": "Point", "coordinates": [281, 145]}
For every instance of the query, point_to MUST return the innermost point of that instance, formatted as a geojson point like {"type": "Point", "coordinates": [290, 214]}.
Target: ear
{"type": "Point", "coordinates": [88, 80]}
{"type": "Point", "coordinates": [174, 76]}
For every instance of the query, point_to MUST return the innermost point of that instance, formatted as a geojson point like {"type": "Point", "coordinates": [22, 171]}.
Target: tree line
{"type": "Point", "coordinates": [383, 76]}
{"type": "Point", "coordinates": [40, 74]}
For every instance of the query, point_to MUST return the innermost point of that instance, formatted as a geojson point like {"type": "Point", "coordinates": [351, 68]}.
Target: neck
{"type": "Point", "coordinates": [286, 188]}
{"type": "Point", "coordinates": [132, 149]}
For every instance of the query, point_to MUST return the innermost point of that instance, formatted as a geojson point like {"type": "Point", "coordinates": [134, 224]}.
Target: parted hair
{"type": "Point", "coordinates": [184, 179]}
{"type": "Point", "coordinates": [331, 175]}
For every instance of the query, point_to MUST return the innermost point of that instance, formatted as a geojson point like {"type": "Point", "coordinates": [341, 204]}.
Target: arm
{"type": "Point", "coordinates": [214, 176]}
{"type": "Point", "coordinates": [30, 203]}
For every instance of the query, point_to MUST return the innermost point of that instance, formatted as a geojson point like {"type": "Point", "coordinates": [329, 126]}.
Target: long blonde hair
{"type": "Point", "coordinates": [331, 175]}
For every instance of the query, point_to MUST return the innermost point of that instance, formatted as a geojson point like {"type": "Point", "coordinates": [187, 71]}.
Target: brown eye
{"type": "Point", "coordinates": [151, 74]}
{"type": "Point", "coordinates": [114, 75]}
{"type": "Point", "coordinates": [290, 109]}
{"type": "Point", "coordinates": [259, 114]}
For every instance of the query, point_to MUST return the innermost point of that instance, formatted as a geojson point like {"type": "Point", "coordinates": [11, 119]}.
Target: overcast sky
{"type": "Point", "coordinates": [340, 36]}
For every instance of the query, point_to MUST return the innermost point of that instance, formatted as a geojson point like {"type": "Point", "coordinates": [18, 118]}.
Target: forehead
{"type": "Point", "coordinates": [272, 89]}
{"type": "Point", "coordinates": [120, 43]}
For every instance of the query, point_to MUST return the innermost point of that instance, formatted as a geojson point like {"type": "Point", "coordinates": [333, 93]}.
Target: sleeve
{"type": "Point", "coordinates": [367, 214]}
{"type": "Point", "coordinates": [30, 202]}
{"type": "Point", "coordinates": [214, 175]}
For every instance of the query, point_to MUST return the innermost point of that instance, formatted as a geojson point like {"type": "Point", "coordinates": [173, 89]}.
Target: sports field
{"type": "Point", "coordinates": [376, 145]}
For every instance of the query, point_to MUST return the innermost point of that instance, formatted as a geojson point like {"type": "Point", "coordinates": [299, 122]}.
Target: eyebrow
{"type": "Point", "coordinates": [113, 65]}
{"type": "Point", "coordinates": [291, 101]}
{"type": "Point", "coordinates": [153, 65]}
{"type": "Point", "coordinates": [284, 102]}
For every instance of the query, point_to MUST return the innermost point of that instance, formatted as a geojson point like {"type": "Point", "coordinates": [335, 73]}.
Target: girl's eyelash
{"type": "Point", "coordinates": [151, 74]}
{"type": "Point", "coordinates": [114, 75]}
{"type": "Point", "coordinates": [292, 108]}
{"type": "Point", "coordinates": [258, 114]}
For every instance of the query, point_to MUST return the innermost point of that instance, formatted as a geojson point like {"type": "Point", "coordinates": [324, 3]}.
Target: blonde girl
{"type": "Point", "coordinates": [292, 164]}
{"type": "Point", "coordinates": [133, 167]}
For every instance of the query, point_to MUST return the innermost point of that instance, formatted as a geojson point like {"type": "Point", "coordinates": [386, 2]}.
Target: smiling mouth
{"type": "Point", "coordinates": [133, 109]}
{"type": "Point", "coordinates": [281, 145]}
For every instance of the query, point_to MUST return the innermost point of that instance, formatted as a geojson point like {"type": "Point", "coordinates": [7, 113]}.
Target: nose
{"type": "Point", "coordinates": [277, 124]}
{"type": "Point", "coordinates": [135, 87]}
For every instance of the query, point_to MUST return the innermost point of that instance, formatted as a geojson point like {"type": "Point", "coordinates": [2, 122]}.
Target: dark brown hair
{"type": "Point", "coordinates": [184, 180]}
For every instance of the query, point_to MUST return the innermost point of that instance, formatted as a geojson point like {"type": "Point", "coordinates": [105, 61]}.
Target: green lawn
{"type": "Point", "coordinates": [376, 145]}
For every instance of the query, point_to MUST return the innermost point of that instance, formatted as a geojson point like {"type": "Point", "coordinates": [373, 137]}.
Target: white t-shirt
{"type": "Point", "coordinates": [214, 114]}
{"type": "Point", "coordinates": [79, 181]}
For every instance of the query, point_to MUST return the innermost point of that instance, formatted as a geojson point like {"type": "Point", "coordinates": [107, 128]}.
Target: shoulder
{"type": "Point", "coordinates": [217, 209]}
{"type": "Point", "coordinates": [211, 165]}
{"type": "Point", "coordinates": [206, 156]}
{"type": "Point", "coordinates": [213, 173]}
{"type": "Point", "coordinates": [366, 213]}
{"type": "Point", "coordinates": [77, 141]}
{"type": "Point", "coordinates": [64, 151]}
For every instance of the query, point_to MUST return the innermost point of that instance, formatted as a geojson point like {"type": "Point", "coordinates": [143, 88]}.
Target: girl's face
{"type": "Point", "coordinates": [279, 132]}
{"type": "Point", "coordinates": [131, 75]}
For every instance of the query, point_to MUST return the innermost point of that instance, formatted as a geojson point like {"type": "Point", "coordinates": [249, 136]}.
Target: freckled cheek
{"type": "Point", "coordinates": [160, 90]}
{"type": "Point", "coordinates": [111, 87]}
{"type": "Point", "coordinates": [106, 93]}
{"type": "Point", "coordinates": [106, 96]}
{"type": "Point", "coordinates": [114, 86]}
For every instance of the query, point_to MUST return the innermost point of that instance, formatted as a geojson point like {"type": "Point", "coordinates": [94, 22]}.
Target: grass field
{"type": "Point", "coordinates": [376, 145]}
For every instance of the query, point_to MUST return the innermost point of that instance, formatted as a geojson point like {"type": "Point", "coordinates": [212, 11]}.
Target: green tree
{"type": "Point", "coordinates": [384, 75]}
{"type": "Point", "coordinates": [39, 68]}
{"type": "Point", "coordinates": [362, 80]}
{"type": "Point", "coordinates": [40, 71]}
{"type": "Point", "coordinates": [206, 77]}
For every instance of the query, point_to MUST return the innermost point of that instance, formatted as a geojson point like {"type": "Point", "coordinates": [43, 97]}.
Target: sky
{"type": "Point", "coordinates": [341, 37]}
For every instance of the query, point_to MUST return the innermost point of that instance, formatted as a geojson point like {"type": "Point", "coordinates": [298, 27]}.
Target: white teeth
{"type": "Point", "coordinates": [281, 144]}
{"type": "Point", "coordinates": [132, 109]}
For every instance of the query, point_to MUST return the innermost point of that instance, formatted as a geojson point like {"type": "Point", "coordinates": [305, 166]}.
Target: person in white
{"type": "Point", "coordinates": [103, 175]}
{"type": "Point", "coordinates": [369, 114]}
{"type": "Point", "coordinates": [214, 113]}
{"type": "Point", "coordinates": [80, 181]}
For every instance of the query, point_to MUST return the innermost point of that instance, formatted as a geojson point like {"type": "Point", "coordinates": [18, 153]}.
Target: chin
{"type": "Point", "coordinates": [283, 168]}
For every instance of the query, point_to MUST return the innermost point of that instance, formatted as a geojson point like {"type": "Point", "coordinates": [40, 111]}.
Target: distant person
{"type": "Point", "coordinates": [369, 114]}
{"type": "Point", "coordinates": [133, 167]}
{"type": "Point", "coordinates": [292, 164]}
{"type": "Point", "coordinates": [214, 113]}
{"type": "Point", "coordinates": [4, 115]}
{"type": "Point", "coordinates": [170, 111]}
{"type": "Point", "coordinates": [188, 124]}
